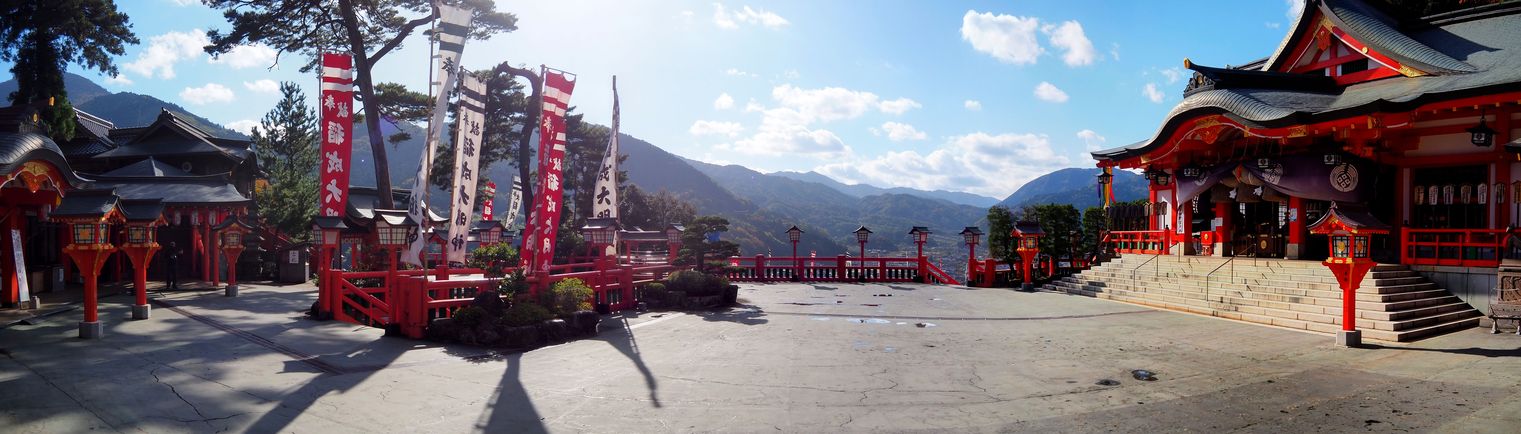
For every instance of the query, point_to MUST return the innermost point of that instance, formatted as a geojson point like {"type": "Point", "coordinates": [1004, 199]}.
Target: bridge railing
{"type": "Point", "coordinates": [1452, 247]}
{"type": "Point", "coordinates": [762, 268]}
{"type": "Point", "coordinates": [1140, 242]}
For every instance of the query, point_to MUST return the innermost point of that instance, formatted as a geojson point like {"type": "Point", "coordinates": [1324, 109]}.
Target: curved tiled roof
{"type": "Point", "coordinates": [18, 148]}
{"type": "Point", "coordinates": [1378, 32]}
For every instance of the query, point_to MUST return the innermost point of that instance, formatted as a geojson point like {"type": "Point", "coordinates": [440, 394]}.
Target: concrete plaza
{"type": "Point", "coordinates": [794, 358]}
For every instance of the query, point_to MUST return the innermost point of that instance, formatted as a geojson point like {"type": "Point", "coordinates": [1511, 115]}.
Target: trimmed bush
{"type": "Point", "coordinates": [524, 314]}
{"type": "Point", "coordinates": [469, 317]}
{"type": "Point", "coordinates": [567, 296]}
{"type": "Point", "coordinates": [696, 284]}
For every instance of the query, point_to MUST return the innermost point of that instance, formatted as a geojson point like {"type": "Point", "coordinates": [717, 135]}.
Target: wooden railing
{"type": "Point", "coordinates": [1141, 242]}
{"type": "Point", "coordinates": [1452, 247]}
{"type": "Point", "coordinates": [761, 268]}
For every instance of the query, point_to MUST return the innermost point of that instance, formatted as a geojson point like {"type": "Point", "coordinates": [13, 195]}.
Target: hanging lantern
{"type": "Point", "coordinates": [1420, 195]}
{"type": "Point", "coordinates": [1499, 191]}
{"type": "Point", "coordinates": [1433, 195]}
{"type": "Point", "coordinates": [1190, 171]}
{"type": "Point", "coordinates": [1332, 159]}
{"type": "Point", "coordinates": [1447, 194]}
{"type": "Point", "coordinates": [1264, 163]}
{"type": "Point", "coordinates": [1464, 193]}
{"type": "Point", "coordinates": [1481, 135]}
{"type": "Point", "coordinates": [1481, 194]}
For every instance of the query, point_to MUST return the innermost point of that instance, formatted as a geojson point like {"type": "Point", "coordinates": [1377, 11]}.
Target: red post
{"type": "Point", "coordinates": [1025, 257]}
{"type": "Point", "coordinates": [1223, 212]}
{"type": "Point", "coordinates": [840, 267]}
{"type": "Point", "coordinates": [141, 256]}
{"type": "Point", "coordinates": [760, 267]}
{"type": "Point", "coordinates": [90, 259]}
{"type": "Point", "coordinates": [797, 263]}
{"type": "Point", "coordinates": [971, 263]}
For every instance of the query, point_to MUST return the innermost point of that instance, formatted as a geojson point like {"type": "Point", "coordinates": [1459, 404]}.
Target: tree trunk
{"type": "Point", "coordinates": [531, 120]}
{"type": "Point", "coordinates": [371, 108]}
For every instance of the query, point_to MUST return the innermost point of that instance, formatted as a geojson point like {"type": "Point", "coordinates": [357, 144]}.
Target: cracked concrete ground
{"type": "Point", "coordinates": [794, 358]}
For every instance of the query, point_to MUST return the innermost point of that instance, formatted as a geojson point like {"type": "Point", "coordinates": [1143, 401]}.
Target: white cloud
{"type": "Point", "coordinates": [1092, 141]}
{"type": "Point", "coordinates": [210, 93]}
{"type": "Point", "coordinates": [165, 50]}
{"type": "Point", "coordinates": [898, 132]}
{"type": "Point", "coordinates": [826, 104]}
{"type": "Point", "coordinates": [1048, 92]}
{"type": "Point", "coordinates": [1296, 7]}
{"type": "Point", "coordinates": [185, 2]}
{"type": "Point", "coordinates": [262, 86]}
{"type": "Point", "coordinates": [1069, 37]}
{"type": "Point", "coordinates": [246, 56]}
{"type": "Point", "coordinates": [736, 72]}
{"type": "Point", "coordinates": [981, 163]}
{"type": "Point", "coordinates": [1114, 50]}
{"type": "Point", "coordinates": [898, 106]}
{"type": "Point", "coordinates": [1272, 25]}
{"type": "Point", "coordinates": [791, 74]}
{"type": "Point", "coordinates": [754, 107]}
{"type": "Point", "coordinates": [973, 105]}
{"type": "Point", "coordinates": [716, 128]}
{"type": "Point", "coordinates": [731, 20]}
{"type": "Point", "coordinates": [1151, 93]}
{"type": "Point", "coordinates": [724, 101]}
{"type": "Point", "coordinates": [119, 80]}
{"type": "Point", "coordinates": [1173, 74]}
{"type": "Point", "coordinates": [1008, 38]}
{"type": "Point", "coordinates": [244, 126]}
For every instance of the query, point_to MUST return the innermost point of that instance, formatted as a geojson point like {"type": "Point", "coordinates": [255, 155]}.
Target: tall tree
{"type": "Point", "coordinates": [366, 29]}
{"type": "Point", "coordinates": [1000, 223]}
{"type": "Point", "coordinates": [286, 144]}
{"type": "Point", "coordinates": [1058, 221]}
{"type": "Point", "coordinates": [695, 244]}
{"type": "Point", "coordinates": [42, 37]}
{"type": "Point", "coordinates": [1095, 223]}
{"type": "Point", "coordinates": [652, 212]}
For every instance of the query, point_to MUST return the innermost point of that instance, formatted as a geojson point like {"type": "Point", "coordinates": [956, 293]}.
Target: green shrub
{"type": "Point", "coordinates": [469, 317]}
{"type": "Point", "coordinates": [696, 284]}
{"type": "Point", "coordinates": [513, 285]}
{"type": "Point", "coordinates": [568, 296]}
{"type": "Point", "coordinates": [655, 291]}
{"type": "Point", "coordinates": [495, 259]}
{"type": "Point", "coordinates": [525, 314]}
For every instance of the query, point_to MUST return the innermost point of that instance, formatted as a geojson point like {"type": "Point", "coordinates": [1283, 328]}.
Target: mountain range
{"type": "Point", "coordinates": [760, 206]}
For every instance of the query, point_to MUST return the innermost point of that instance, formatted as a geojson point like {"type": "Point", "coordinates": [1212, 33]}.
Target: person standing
{"type": "Point", "coordinates": [172, 271]}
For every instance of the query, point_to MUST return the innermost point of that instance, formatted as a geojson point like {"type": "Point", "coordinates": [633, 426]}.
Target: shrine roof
{"type": "Point", "coordinates": [18, 148]}
{"type": "Point", "coordinates": [1489, 44]}
{"type": "Point", "coordinates": [148, 167]}
{"type": "Point", "coordinates": [187, 139]}
{"type": "Point", "coordinates": [139, 210]}
{"type": "Point", "coordinates": [94, 203]}
{"type": "Point", "coordinates": [181, 190]}
{"type": "Point", "coordinates": [363, 200]}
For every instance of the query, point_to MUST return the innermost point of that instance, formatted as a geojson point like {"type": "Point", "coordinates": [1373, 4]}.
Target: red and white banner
{"type": "Point", "coordinates": [336, 132]}
{"type": "Point", "coordinates": [467, 159]}
{"type": "Point", "coordinates": [488, 199]}
{"type": "Point", "coordinates": [544, 221]}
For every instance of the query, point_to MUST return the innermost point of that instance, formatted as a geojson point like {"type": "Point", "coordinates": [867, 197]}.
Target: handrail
{"type": "Point", "coordinates": [1143, 264]}
{"type": "Point", "coordinates": [1250, 248]}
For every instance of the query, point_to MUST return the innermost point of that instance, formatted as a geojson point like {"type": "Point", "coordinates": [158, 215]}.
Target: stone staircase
{"type": "Point", "coordinates": [1393, 304]}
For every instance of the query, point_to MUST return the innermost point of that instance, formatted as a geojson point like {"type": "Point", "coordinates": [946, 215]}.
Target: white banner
{"type": "Point", "coordinates": [454, 25]}
{"type": "Point", "coordinates": [515, 205]}
{"type": "Point", "coordinates": [467, 158]}
{"type": "Point", "coordinates": [605, 198]}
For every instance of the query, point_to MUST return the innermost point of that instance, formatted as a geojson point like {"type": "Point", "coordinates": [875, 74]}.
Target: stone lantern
{"type": "Point", "coordinates": [89, 215]}
{"type": "Point", "coordinates": [230, 233]}
{"type": "Point", "coordinates": [143, 216]}
{"type": "Point", "coordinates": [1027, 234]}
{"type": "Point", "coordinates": [1348, 229]}
{"type": "Point", "coordinates": [794, 235]}
{"type": "Point", "coordinates": [920, 235]}
{"type": "Point", "coordinates": [327, 234]}
{"type": "Point", "coordinates": [488, 232]}
{"type": "Point", "coordinates": [600, 233]}
{"type": "Point", "coordinates": [393, 228]}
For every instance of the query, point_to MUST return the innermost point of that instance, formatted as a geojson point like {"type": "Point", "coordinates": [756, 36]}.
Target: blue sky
{"type": "Point", "coordinates": [965, 96]}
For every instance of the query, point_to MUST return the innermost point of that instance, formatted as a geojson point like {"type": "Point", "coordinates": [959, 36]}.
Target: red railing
{"type": "Point", "coordinates": [761, 268]}
{"type": "Point", "coordinates": [1452, 247]}
{"type": "Point", "coordinates": [1141, 242]}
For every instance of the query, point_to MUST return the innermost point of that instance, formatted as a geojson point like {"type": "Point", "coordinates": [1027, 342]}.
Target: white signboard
{"type": "Point", "coordinates": [24, 294]}
{"type": "Point", "coordinates": [295, 256]}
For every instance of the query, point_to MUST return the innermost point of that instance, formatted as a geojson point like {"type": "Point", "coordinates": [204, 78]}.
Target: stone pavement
{"type": "Point", "coordinates": [794, 358]}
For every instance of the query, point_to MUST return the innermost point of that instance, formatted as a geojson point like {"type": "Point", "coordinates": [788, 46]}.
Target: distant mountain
{"type": "Point", "coordinates": [1075, 186]}
{"type": "Point", "coordinates": [863, 190]}
{"type": "Point", "coordinates": [125, 109]}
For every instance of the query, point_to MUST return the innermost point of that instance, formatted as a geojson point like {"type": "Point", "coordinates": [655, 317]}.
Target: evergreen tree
{"type": "Point", "coordinates": [286, 143]}
{"type": "Point", "coordinates": [1000, 224]}
{"type": "Point", "coordinates": [42, 37]}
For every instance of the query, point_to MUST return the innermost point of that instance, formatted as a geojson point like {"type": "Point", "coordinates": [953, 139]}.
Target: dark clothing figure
{"type": "Point", "coordinates": [172, 267]}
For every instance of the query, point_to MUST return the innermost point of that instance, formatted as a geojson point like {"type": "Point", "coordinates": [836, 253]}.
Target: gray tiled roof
{"type": "Point", "coordinates": [148, 167]}
{"type": "Point", "coordinates": [1490, 44]}
{"type": "Point", "coordinates": [18, 148]}
{"type": "Point", "coordinates": [137, 210]}
{"type": "Point", "coordinates": [86, 203]}
{"type": "Point", "coordinates": [188, 140]}
{"type": "Point", "coordinates": [213, 189]}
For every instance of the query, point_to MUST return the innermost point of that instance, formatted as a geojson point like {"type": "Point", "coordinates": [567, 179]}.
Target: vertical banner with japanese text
{"type": "Point", "coordinates": [514, 203]}
{"type": "Point", "coordinates": [605, 200]}
{"type": "Point", "coordinates": [467, 158]}
{"type": "Point", "coordinates": [544, 220]}
{"type": "Point", "coordinates": [488, 200]}
{"type": "Point", "coordinates": [454, 25]}
{"type": "Point", "coordinates": [337, 133]}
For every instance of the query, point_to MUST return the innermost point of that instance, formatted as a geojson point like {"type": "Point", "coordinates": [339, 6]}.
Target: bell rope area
{"type": "Point", "coordinates": [281, 216]}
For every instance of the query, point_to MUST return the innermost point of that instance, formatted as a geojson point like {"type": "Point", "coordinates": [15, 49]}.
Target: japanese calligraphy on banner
{"type": "Point", "coordinates": [488, 200]}
{"type": "Point", "coordinates": [336, 132]}
{"type": "Point", "coordinates": [605, 200]}
{"type": "Point", "coordinates": [454, 25]}
{"type": "Point", "coordinates": [515, 203]}
{"type": "Point", "coordinates": [467, 158]}
{"type": "Point", "coordinates": [543, 221]}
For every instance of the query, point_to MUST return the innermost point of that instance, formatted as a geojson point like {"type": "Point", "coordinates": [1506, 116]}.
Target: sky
{"type": "Point", "coordinates": [978, 96]}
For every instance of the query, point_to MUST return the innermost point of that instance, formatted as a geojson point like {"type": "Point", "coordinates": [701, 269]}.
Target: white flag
{"type": "Point", "coordinates": [605, 196]}
{"type": "Point", "coordinates": [515, 205]}
{"type": "Point", "coordinates": [453, 27]}
{"type": "Point", "coordinates": [467, 158]}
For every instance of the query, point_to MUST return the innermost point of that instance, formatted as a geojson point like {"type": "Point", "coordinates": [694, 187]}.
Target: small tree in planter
{"type": "Point", "coordinates": [566, 297]}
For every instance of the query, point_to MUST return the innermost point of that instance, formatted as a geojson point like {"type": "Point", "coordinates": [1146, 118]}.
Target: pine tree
{"type": "Point", "coordinates": [42, 37]}
{"type": "Point", "coordinates": [286, 145]}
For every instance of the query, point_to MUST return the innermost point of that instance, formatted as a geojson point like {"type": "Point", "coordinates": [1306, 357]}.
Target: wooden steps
{"type": "Point", "coordinates": [1394, 304]}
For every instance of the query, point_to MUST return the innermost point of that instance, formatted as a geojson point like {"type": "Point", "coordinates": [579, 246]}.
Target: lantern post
{"type": "Point", "coordinates": [600, 233]}
{"type": "Point", "coordinates": [673, 241]}
{"type": "Point", "coordinates": [920, 235]}
{"type": "Point", "coordinates": [1027, 234]}
{"type": "Point", "coordinates": [794, 235]}
{"type": "Point", "coordinates": [230, 233]}
{"type": "Point", "coordinates": [89, 214]}
{"type": "Point", "coordinates": [326, 233]}
{"type": "Point", "coordinates": [143, 217]}
{"type": "Point", "coordinates": [862, 235]}
{"type": "Point", "coordinates": [1349, 229]}
{"type": "Point", "coordinates": [971, 236]}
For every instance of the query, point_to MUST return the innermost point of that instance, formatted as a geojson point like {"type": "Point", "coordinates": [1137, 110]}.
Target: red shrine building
{"type": "Point", "coordinates": [1412, 119]}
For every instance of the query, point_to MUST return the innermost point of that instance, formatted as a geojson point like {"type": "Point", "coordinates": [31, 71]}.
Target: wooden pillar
{"type": "Point", "coordinates": [1223, 212]}
{"type": "Point", "coordinates": [206, 246]}
{"type": "Point", "coordinates": [1297, 233]}
{"type": "Point", "coordinates": [10, 284]}
{"type": "Point", "coordinates": [1184, 213]}
{"type": "Point", "coordinates": [1151, 198]}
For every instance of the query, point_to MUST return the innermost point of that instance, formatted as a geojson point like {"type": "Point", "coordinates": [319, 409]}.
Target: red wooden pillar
{"type": "Point", "coordinates": [11, 283]}
{"type": "Point", "coordinates": [760, 267]}
{"type": "Point", "coordinates": [215, 244]}
{"type": "Point", "coordinates": [206, 246]}
{"type": "Point", "coordinates": [1223, 212]}
{"type": "Point", "coordinates": [1151, 198]}
{"type": "Point", "coordinates": [1185, 230]}
{"type": "Point", "coordinates": [1296, 245]}
{"type": "Point", "coordinates": [839, 267]}
{"type": "Point", "coordinates": [990, 271]}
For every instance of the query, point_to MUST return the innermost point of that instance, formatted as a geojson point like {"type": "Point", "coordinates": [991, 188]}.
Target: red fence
{"type": "Point", "coordinates": [761, 268]}
{"type": "Point", "coordinates": [1141, 242]}
{"type": "Point", "coordinates": [1452, 247]}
